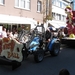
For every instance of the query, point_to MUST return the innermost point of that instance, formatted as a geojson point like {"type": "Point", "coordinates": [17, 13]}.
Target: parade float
{"type": "Point", "coordinates": [10, 51]}
{"type": "Point", "coordinates": [69, 30]}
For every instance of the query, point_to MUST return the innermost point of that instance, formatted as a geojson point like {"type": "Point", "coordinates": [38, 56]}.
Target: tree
{"type": "Point", "coordinates": [47, 10]}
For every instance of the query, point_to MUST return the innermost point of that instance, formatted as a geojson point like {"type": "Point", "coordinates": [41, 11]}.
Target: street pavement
{"type": "Point", "coordinates": [49, 66]}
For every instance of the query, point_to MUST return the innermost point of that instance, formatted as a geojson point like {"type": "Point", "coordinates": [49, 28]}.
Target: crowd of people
{"type": "Point", "coordinates": [49, 33]}
{"type": "Point", "coordinates": [8, 33]}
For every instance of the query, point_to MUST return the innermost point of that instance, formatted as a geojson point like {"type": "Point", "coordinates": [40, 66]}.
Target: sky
{"type": "Point", "coordinates": [73, 4]}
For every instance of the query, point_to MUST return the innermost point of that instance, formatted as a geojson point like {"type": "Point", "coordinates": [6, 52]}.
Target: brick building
{"type": "Point", "coordinates": [25, 12]}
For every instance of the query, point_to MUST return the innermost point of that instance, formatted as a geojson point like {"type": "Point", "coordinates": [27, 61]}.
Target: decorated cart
{"type": "Point", "coordinates": [10, 52]}
{"type": "Point", "coordinates": [69, 39]}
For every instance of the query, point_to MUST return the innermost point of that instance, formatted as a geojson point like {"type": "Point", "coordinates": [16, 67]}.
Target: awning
{"type": "Point", "coordinates": [54, 24]}
{"type": "Point", "coordinates": [16, 20]}
{"type": "Point", "coordinates": [57, 25]}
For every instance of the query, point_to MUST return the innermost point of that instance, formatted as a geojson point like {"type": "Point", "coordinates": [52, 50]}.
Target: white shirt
{"type": "Point", "coordinates": [15, 35]}
{"type": "Point", "coordinates": [11, 35]}
{"type": "Point", "coordinates": [4, 34]}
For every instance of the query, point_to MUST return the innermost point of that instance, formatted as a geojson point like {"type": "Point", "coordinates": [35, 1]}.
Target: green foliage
{"type": "Point", "coordinates": [48, 17]}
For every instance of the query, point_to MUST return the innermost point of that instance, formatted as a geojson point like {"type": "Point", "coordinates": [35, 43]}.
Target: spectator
{"type": "Point", "coordinates": [4, 34]}
{"type": "Point", "coordinates": [11, 34]}
{"type": "Point", "coordinates": [15, 35]}
{"type": "Point", "coordinates": [64, 72]}
{"type": "Point", "coordinates": [8, 32]}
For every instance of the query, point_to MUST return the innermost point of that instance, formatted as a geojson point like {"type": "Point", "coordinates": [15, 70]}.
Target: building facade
{"type": "Point", "coordinates": [21, 11]}
{"type": "Point", "coordinates": [31, 11]}
{"type": "Point", "coordinates": [58, 13]}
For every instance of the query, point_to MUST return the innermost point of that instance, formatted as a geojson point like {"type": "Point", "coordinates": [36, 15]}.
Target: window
{"type": "Point", "coordinates": [22, 4]}
{"type": "Point", "coordinates": [39, 6]}
{"type": "Point", "coordinates": [54, 2]}
{"type": "Point", "coordinates": [57, 3]}
{"type": "Point", "coordinates": [17, 3]}
{"type": "Point", "coordinates": [53, 15]}
{"type": "Point", "coordinates": [62, 17]}
{"type": "Point", "coordinates": [27, 4]}
{"type": "Point", "coordinates": [60, 4]}
{"type": "Point", "coordinates": [59, 17]}
{"type": "Point", "coordinates": [2, 2]}
{"type": "Point", "coordinates": [64, 5]}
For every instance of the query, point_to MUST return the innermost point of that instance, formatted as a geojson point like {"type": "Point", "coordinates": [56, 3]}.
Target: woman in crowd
{"type": "Point", "coordinates": [4, 34]}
